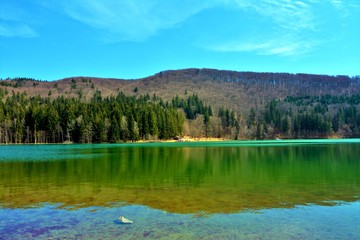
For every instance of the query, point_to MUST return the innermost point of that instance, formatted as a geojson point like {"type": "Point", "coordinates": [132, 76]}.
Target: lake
{"type": "Point", "coordinates": [298, 189]}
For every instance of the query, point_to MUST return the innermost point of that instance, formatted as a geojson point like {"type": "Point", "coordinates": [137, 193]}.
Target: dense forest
{"type": "Point", "coordinates": [308, 117]}
{"type": "Point", "coordinates": [112, 119]}
{"type": "Point", "coordinates": [35, 119]}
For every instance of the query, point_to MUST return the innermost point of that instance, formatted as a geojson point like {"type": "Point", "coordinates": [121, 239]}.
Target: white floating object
{"type": "Point", "coordinates": [124, 220]}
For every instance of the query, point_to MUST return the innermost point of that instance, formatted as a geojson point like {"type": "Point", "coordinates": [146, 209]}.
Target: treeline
{"type": "Point", "coordinates": [123, 118]}
{"type": "Point", "coordinates": [308, 117]}
{"type": "Point", "coordinates": [18, 82]}
{"type": "Point", "coordinates": [113, 119]}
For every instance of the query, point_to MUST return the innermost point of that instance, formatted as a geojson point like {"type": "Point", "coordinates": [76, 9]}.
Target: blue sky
{"type": "Point", "coordinates": [54, 39]}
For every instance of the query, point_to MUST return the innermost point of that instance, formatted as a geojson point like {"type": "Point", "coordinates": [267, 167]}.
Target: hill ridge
{"type": "Point", "coordinates": [237, 90]}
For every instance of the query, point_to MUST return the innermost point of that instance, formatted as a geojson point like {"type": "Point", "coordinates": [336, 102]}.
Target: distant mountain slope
{"type": "Point", "coordinates": [239, 91]}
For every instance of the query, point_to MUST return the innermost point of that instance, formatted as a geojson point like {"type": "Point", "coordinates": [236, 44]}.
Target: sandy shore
{"type": "Point", "coordinates": [187, 139]}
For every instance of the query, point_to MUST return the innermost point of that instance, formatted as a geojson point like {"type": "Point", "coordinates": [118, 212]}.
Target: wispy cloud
{"type": "Point", "coordinates": [13, 22]}
{"type": "Point", "coordinates": [289, 30]}
{"type": "Point", "coordinates": [287, 14]}
{"type": "Point", "coordinates": [16, 30]}
{"type": "Point", "coordinates": [131, 20]}
{"type": "Point", "coordinates": [296, 26]}
{"type": "Point", "coordinates": [344, 8]}
{"type": "Point", "coordinates": [284, 46]}
{"type": "Point", "coordinates": [128, 20]}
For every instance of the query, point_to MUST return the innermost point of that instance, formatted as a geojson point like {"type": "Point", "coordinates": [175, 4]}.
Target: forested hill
{"type": "Point", "coordinates": [239, 91]}
{"type": "Point", "coordinates": [193, 102]}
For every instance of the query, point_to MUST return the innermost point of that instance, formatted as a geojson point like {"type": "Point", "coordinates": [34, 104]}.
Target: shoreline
{"type": "Point", "coordinates": [194, 140]}
{"type": "Point", "coordinates": [187, 139]}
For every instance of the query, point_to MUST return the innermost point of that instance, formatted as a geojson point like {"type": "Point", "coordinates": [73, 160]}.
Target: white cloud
{"type": "Point", "coordinates": [292, 26]}
{"type": "Point", "coordinates": [131, 20]}
{"type": "Point", "coordinates": [337, 3]}
{"type": "Point", "coordinates": [16, 30]}
{"type": "Point", "coordinates": [289, 30]}
{"type": "Point", "coordinates": [296, 28]}
{"type": "Point", "coordinates": [345, 8]}
{"type": "Point", "coordinates": [13, 22]}
{"type": "Point", "coordinates": [287, 14]}
{"type": "Point", "coordinates": [284, 46]}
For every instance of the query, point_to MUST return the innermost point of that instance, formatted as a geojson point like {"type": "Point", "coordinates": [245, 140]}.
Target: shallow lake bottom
{"type": "Point", "coordinates": [302, 222]}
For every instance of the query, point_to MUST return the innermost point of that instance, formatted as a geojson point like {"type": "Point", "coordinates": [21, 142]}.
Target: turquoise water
{"type": "Point", "coordinates": [308, 189]}
{"type": "Point", "coordinates": [302, 222]}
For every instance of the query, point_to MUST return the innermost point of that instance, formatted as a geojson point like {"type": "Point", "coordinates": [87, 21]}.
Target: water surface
{"type": "Point", "coordinates": [250, 189]}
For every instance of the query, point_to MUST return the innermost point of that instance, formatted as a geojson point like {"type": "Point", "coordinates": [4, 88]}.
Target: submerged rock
{"type": "Point", "coordinates": [124, 220]}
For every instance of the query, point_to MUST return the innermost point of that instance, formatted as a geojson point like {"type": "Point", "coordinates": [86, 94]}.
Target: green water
{"type": "Point", "coordinates": [227, 190]}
